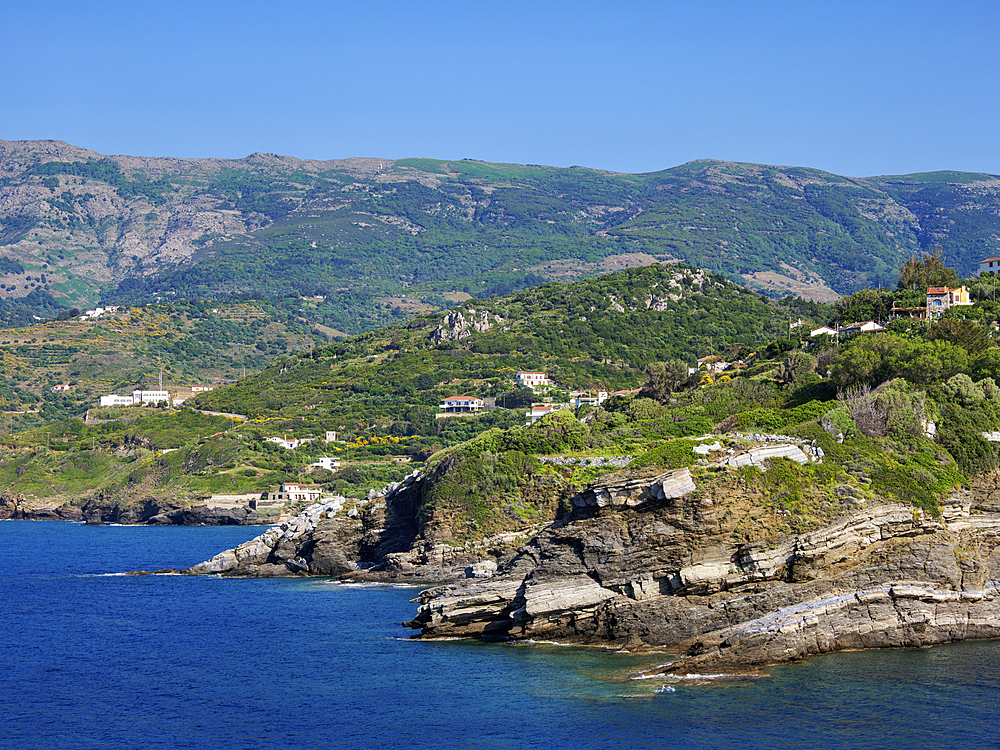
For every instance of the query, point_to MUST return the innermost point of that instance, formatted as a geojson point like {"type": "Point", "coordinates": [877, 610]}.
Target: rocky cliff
{"type": "Point", "coordinates": [384, 538]}
{"type": "Point", "coordinates": [155, 512]}
{"type": "Point", "coordinates": [701, 560]}
{"type": "Point", "coordinates": [671, 571]}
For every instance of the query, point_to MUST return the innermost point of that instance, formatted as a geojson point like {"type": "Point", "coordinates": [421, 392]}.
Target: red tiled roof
{"type": "Point", "coordinates": [935, 290]}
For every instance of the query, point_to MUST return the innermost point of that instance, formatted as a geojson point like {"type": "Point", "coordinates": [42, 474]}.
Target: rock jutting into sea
{"type": "Point", "coordinates": [689, 559]}
{"type": "Point", "coordinates": [666, 573]}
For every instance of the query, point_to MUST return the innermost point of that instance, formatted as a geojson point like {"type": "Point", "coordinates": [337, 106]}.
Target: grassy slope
{"type": "Point", "coordinates": [123, 351]}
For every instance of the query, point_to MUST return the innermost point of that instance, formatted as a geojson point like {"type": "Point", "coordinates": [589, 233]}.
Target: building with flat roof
{"type": "Point", "coordinates": [532, 379]}
{"type": "Point", "coordinates": [461, 404]}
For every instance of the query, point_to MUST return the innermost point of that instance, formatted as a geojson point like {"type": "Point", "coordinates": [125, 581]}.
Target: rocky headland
{"type": "Point", "coordinates": [148, 511]}
{"type": "Point", "coordinates": [694, 559]}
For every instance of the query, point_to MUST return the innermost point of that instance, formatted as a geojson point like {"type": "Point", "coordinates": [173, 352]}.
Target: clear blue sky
{"type": "Point", "coordinates": [856, 88]}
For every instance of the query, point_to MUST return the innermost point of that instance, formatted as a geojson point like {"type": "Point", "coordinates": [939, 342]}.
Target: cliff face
{"type": "Point", "coordinates": [389, 538]}
{"type": "Point", "coordinates": [701, 562]}
{"type": "Point", "coordinates": [668, 572]}
{"type": "Point", "coordinates": [106, 510]}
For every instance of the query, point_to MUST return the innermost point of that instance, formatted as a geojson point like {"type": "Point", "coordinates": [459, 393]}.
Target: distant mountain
{"type": "Point", "coordinates": [381, 237]}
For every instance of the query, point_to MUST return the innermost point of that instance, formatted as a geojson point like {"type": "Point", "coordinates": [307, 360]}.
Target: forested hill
{"type": "Point", "coordinates": [380, 236]}
{"type": "Point", "coordinates": [592, 334]}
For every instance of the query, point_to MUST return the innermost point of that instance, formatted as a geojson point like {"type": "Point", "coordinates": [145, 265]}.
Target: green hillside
{"type": "Point", "coordinates": [596, 334]}
{"type": "Point", "coordinates": [378, 238]}
{"type": "Point", "coordinates": [867, 403]}
{"type": "Point", "coordinates": [380, 392]}
{"type": "Point", "coordinates": [189, 343]}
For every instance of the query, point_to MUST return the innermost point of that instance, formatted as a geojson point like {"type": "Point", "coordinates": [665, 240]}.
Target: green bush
{"type": "Point", "coordinates": [675, 454]}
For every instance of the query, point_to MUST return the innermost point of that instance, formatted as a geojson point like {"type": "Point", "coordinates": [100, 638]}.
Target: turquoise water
{"type": "Point", "coordinates": [96, 660]}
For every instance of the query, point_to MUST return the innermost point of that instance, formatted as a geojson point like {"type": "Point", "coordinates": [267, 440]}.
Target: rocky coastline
{"type": "Point", "coordinates": [663, 560]}
{"type": "Point", "coordinates": [146, 512]}
{"type": "Point", "coordinates": [664, 573]}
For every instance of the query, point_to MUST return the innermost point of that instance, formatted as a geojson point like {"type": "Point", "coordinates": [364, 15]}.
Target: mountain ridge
{"type": "Point", "coordinates": [132, 229]}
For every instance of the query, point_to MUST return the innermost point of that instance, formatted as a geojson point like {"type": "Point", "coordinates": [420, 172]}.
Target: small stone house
{"type": "Point", "coordinates": [941, 298]}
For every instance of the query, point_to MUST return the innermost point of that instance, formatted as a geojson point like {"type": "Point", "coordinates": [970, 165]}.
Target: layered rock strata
{"type": "Point", "coordinates": [378, 540]}
{"type": "Point", "coordinates": [634, 566]}
{"type": "Point", "coordinates": [702, 562]}
{"type": "Point", "coordinates": [147, 511]}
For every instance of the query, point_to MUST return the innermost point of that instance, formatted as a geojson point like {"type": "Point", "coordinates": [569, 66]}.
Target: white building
{"type": "Point", "coordinates": [532, 379]}
{"type": "Point", "coordinates": [114, 400]}
{"type": "Point", "coordinates": [137, 398]}
{"type": "Point", "coordinates": [331, 436]}
{"type": "Point", "coordinates": [588, 399]}
{"type": "Point", "coordinates": [991, 265]}
{"type": "Point", "coordinates": [98, 312]}
{"type": "Point", "coordinates": [542, 410]}
{"type": "Point", "coordinates": [291, 493]}
{"type": "Point", "coordinates": [461, 404]}
{"type": "Point", "coordinates": [713, 363]}
{"type": "Point", "coordinates": [286, 443]}
{"type": "Point", "coordinates": [150, 397]}
{"type": "Point", "coordinates": [868, 327]}
{"type": "Point", "coordinates": [823, 331]}
{"type": "Point", "coordinates": [327, 462]}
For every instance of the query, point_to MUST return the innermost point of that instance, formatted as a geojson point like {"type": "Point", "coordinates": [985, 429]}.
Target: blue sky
{"type": "Point", "coordinates": [856, 88]}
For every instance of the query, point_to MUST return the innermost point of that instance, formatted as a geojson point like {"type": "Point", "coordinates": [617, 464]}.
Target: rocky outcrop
{"type": "Point", "coordinates": [290, 549]}
{"type": "Point", "coordinates": [379, 539]}
{"type": "Point", "coordinates": [631, 566]}
{"type": "Point", "coordinates": [18, 508]}
{"type": "Point", "coordinates": [460, 324]}
{"type": "Point", "coordinates": [142, 511]}
{"type": "Point", "coordinates": [699, 560]}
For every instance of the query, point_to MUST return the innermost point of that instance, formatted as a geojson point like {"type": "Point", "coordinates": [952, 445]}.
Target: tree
{"type": "Point", "coordinates": [664, 378]}
{"type": "Point", "coordinates": [927, 270]}
{"type": "Point", "coordinates": [968, 334]}
{"type": "Point", "coordinates": [864, 304]}
{"type": "Point", "coordinates": [794, 366]}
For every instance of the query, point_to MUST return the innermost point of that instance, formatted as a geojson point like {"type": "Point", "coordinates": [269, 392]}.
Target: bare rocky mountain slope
{"type": "Point", "coordinates": [82, 226]}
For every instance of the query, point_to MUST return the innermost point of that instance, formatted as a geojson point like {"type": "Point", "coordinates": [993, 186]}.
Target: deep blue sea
{"type": "Point", "coordinates": [91, 659]}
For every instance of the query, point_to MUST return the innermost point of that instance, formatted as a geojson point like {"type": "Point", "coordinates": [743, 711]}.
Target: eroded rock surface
{"type": "Point", "coordinates": [702, 561]}
{"type": "Point", "coordinates": [629, 565]}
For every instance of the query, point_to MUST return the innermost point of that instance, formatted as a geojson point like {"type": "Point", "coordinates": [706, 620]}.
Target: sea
{"type": "Point", "coordinates": [92, 658]}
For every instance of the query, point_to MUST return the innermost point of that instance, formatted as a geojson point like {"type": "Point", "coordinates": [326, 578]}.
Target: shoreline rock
{"type": "Point", "coordinates": [679, 560]}
{"type": "Point", "coordinates": [664, 573]}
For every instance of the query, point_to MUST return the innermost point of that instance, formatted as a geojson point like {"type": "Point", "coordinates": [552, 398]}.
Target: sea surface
{"type": "Point", "coordinates": [90, 658]}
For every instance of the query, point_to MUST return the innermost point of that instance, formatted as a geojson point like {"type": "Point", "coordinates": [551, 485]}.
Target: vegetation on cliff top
{"type": "Point", "coordinates": [868, 404]}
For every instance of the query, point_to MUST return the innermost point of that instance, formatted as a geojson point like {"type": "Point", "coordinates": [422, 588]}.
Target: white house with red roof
{"type": "Point", "coordinates": [542, 410]}
{"type": "Point", "coordinates": [532, 379]}
{"type": "Point", "coordinates": [461, 404]}
{"type": "Point", "coordinates": [713, 363]}
{"type": "Point", "coordinates": [991, 265]}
